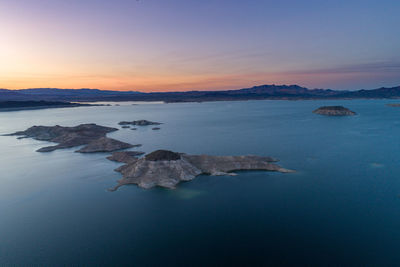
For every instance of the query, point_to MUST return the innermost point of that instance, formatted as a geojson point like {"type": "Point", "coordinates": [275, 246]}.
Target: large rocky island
{"type": "Point", "coordinates": [334, 111]}
{"type": "Point", "coordinates": [160, 168]}
{"type": "Point", "coordinates": [166, 168]}
{"type": "Point", "coordinates": [93, 136]}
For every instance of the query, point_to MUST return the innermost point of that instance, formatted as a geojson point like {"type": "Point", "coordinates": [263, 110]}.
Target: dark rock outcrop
{"type": "Point", "coordinates": [92, 135]}
{"type": "Point", "coordinates": [139, 123]}
{"type": "Point", "coordinates": [159, 155]}
{"type": "Point", "coordinates": [334, 111]}
{"type": "Point", "coordinates": [167, 169]}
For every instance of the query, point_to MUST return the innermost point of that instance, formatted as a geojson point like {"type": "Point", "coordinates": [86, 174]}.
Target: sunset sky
{"type": "Point", "coordinates": [171, 45]}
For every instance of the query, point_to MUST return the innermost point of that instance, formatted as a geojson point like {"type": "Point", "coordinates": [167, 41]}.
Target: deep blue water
{"type": "Point", "coordinates": [341, 207]}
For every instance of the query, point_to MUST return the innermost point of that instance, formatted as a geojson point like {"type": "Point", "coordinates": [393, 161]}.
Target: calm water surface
{"type": "Point", "coordinates": [342, 207]}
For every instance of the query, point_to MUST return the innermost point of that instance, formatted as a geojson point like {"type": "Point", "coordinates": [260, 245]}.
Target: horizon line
{"type": "Point", "coordinates": [181, 91]}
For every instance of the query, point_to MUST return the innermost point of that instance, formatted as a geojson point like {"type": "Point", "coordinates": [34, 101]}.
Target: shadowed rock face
{"type": "Point", "coordinates": [167, 169]}
{"type": "Point", "coordinates": [139, 123]}
{"type": "Point", "coordinates": [92, 135]}
{"type": "Point", "coordinates": [334, 111]}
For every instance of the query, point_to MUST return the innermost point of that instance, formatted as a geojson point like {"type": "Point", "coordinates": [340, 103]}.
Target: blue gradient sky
{"type": "Point", "coordinates": [154, 45]}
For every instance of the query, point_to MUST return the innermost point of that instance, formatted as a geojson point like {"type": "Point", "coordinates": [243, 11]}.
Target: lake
{"type": "Point", "coordinates": [341, 207]}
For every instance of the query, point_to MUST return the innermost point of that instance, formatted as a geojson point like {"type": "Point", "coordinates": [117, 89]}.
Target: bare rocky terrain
{"type": "Point", "coordinates": [91, 135]}
{"type": "Point", "coordinates": [166, 168]}
{"type": "Point", "coordinates": [160, 168]}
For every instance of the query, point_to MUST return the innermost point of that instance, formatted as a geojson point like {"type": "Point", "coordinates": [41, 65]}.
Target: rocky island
{"type": "Point", "coordinates": [91, 135]}
{"type": "Point", "coordinates": [160, 168]}
{"type": "Point", "coordinates": [139, 123]}
{"type": "Point", "coordinates": [334, 111]}
{"type": "Point", "coordinates": [166, 168]}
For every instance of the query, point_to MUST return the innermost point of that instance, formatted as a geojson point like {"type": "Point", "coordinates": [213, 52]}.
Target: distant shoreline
{"type": "Point", "coordinates": [110, 103]}
{"type": "Point", "coordinates": [6, 106]}
{"type": "Point", "coordinates": [261, 92]}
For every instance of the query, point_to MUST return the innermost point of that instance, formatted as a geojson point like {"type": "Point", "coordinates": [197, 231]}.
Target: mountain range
{"type": "Point", "coordinates": [290, 92]}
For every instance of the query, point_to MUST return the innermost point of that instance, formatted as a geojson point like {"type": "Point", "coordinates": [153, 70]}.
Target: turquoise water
{"type": "Point", "coordinates": [341, 207]}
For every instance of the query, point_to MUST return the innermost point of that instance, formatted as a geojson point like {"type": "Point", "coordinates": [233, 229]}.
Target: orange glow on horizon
{"type": "Point", "coordinates": [177, 83]}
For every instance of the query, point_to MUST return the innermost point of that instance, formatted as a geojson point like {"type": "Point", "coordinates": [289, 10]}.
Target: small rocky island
{"type": "Point", "coordinates": [93, 136]}
{"type": "Point", "coordinates": [166, 168]}
{"type": "Point", "coordinates": [334, 111]}
{"type": "Point", "coordinates": [139, 123]}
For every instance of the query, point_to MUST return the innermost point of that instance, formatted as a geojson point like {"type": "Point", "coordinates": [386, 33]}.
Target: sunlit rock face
{"type": "Point", "coordinates": [166, 168]}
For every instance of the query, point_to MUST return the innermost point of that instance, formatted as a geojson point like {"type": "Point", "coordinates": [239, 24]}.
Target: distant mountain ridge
{"type": "Point", "coordinates": [257, 92]}
{"type": "Point", "coordinates": [57, 94]}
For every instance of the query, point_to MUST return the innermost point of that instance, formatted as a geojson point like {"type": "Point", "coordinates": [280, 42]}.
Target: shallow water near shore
{"type": "Point", "coordinates": [341, 207]}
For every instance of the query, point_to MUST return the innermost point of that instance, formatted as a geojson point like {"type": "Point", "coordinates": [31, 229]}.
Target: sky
{"type": "Point", "coordinates": [179, 45]}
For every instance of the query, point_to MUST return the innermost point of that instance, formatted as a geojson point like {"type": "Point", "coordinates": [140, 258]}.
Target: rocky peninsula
{"type": "Point", "coordinates": [334, 111]}
{"type": "Point", "coordinates": [166, 168]}
{"type": "Point", "coordinates": [93, 136]}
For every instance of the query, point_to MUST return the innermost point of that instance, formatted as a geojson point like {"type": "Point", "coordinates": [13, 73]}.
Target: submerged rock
{"type": "Point", "coordinates": [139, 123]}
{"type": "Point", "coordinates": [166, 168]}
{"type": "Point", "coordinates": [334, 111]}
{"type": "Point", "coordinates": [92, 135]}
